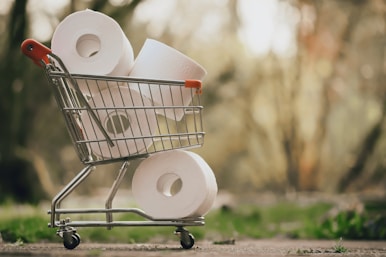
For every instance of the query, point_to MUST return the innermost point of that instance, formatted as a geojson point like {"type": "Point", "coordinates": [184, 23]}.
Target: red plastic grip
{"type": "Point", "coordinates": [36, 51]}
{"type": "Point", "coordinates": [192, 83]}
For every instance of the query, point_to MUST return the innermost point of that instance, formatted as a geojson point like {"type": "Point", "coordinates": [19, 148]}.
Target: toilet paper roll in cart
{"type": "Point", "coordinates": [119, 124]}
{"type": "Point", "coordinates": [174, 184]}
{"type": "Point", "coordinates": [159, 61]}
{"type": "Point", "coordinates": [91, 42]}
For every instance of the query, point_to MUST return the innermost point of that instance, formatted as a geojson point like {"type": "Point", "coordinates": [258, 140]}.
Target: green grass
{"type": "Point", "coordinates": [339, 247]}
{"type": "Point", "coordinates": [287, 219]}
{"type": "Point", "coordinates": [26, 229]}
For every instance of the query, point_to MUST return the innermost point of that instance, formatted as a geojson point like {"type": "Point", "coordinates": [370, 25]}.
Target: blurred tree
{"type": "Point", "coordinates": [18, 181]}
{"type": "Point", "coordinates": [313, 98]}
{"type": "Point", "coordinates": [329, 36]}
{"type": "Point", "coordinates": [366, 22]}
{"type": "Point", "coordinates": [24, 94]}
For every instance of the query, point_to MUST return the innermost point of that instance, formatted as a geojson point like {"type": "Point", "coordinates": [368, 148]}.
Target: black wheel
{"type": "Point", "coordinates": [72, 242]}
{"type": "Point", "coordinates": [187, 240]}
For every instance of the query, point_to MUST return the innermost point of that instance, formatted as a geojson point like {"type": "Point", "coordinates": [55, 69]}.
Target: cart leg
{"type": "Point", "coordinates": [114, 189]}
{"type": "Point", "coordinates": [65, 192]}
{"type": "Point", "coordinates": [186, 239]}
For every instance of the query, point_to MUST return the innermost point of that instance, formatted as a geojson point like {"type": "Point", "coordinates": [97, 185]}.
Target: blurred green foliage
{"type": "Point", "coordinates": [282, 219]}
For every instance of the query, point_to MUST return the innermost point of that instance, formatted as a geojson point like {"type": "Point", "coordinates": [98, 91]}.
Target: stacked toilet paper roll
{"type": "Point", "coordinates": [90, 42]}
{"type": "Point", "coordinates": [173, 185]}
{"type": "Point", "coordinates": [159, 61]}
{"type": "Point", "coordinates": [129, 128]}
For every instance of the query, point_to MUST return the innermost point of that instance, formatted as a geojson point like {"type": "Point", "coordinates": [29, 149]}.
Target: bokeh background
{"type": "Point", "coordinates": [295, 96]}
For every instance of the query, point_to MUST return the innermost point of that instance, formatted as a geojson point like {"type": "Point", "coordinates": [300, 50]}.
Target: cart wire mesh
{"type": "Point", "coordinates": [113, 118]}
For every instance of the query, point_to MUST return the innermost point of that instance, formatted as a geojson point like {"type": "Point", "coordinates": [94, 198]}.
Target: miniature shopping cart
{"type": "Point", "coordinates": [118, 119]}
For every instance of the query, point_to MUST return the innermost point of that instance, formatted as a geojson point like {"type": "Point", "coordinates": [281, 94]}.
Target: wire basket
{"type": "Point", "coordinates": [112, 118]}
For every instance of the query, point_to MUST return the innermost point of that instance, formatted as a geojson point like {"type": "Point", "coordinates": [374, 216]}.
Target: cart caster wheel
{"type": "Point", "coordinates": [72, 242]}
{"type": "Point", "coordinates": [187, 240]}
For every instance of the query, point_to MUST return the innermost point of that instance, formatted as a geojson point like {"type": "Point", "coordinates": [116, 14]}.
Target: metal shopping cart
{"type": "Point", "coordinates": [115, 119]}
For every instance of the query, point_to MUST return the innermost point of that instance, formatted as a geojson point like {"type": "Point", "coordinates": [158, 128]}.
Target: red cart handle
{"type": "Point", "coordinates": [192, 83]}
{"type": "Point", "coordinates": [36, 51]}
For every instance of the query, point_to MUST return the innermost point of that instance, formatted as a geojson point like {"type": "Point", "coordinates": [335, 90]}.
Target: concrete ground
{"type": "Point", "coordinates": [266, 247]}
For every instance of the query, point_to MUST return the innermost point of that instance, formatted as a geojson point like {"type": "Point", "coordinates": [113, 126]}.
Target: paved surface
{"type": "Point", "coordinates": [272, 247]}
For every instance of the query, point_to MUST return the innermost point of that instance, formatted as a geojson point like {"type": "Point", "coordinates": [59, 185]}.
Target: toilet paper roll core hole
{"type": "Point", "coordinates": [88, 45]}
{"type": "Point", "coordinates": [169, 184]}
{"type": "Point", "coordinates": [117, 123]}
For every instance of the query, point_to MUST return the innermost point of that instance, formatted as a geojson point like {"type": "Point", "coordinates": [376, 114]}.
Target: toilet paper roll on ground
{"type": "Point", "coordinates": [159, 61]}
{"type": "Point", "coordinates": [155, 190]}
{"type": "Point", "coordinates": [121, 123]}
{"type": "Point", "coordinates": [90, 42]}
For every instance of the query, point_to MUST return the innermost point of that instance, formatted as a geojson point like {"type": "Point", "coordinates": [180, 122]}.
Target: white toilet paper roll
{"type": "Point", "coordinates": [90, 42]}
{"type": "Point", "coordinates": [124, 125]}
{"type": "Point", "coordinates": [159, 61]}
{"type": "Point", "coordinates": [174, 184]}
{"type": "Point", "coordinates": [90, 87]}
{"type": "Point", "coordinates": [212, 190]}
